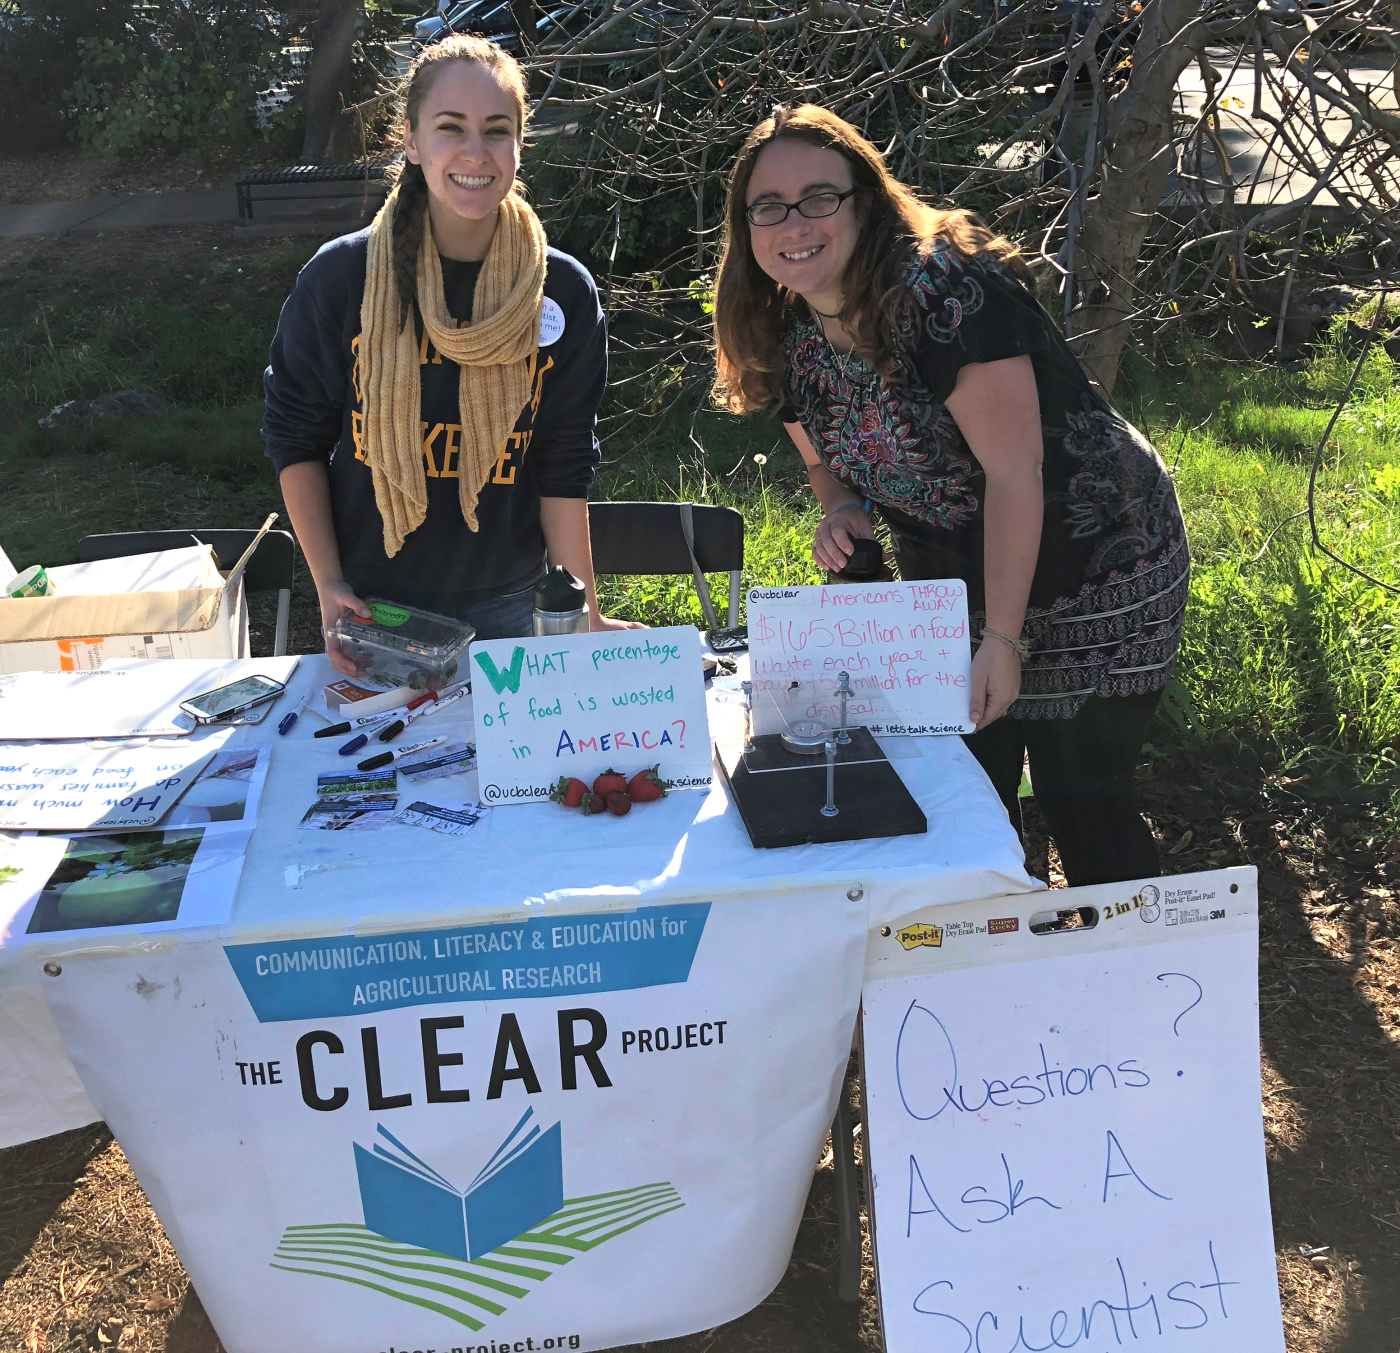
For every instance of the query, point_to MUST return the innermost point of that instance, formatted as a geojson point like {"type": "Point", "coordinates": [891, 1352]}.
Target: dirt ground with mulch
{"type": "Point", "coordinates": [85, 1266]}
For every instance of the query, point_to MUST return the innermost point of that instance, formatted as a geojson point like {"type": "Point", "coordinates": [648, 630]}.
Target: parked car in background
{"type": "Point", "coordinates": [495, 19]}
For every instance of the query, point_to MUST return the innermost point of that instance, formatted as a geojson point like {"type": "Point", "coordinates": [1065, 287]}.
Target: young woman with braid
{"type": "Point", "coordinates": [921, 381]}
{"type": "Point", "coordinates": [435, 379]}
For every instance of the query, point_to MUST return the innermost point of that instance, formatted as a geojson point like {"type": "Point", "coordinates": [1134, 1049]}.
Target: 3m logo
{"type": "Point", "coordinates": [1003, 925]}
{"type": "Point", "coordinates": [912, 936]}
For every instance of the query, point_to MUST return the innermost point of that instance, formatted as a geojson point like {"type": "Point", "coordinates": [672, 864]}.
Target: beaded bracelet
{"type": "Point", "coordinates": [1021, 647]}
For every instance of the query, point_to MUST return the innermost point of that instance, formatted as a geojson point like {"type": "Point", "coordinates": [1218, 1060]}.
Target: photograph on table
{"type": "Point", "coordinates": [350, 812]}
{"type": "Point", "coordinates": [148, 880]}
{"type": "Point", "coordinates": [227, 790]}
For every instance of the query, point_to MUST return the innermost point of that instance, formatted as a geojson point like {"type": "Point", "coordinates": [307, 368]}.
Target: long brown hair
{"type": "Point", "coordinates": [413, 187]}
{"type": "Point", "coordinates": [750, 308]}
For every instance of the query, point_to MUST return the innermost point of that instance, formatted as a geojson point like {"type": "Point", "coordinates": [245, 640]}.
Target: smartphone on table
{"type": "Point", "coordinates": [226, 702]}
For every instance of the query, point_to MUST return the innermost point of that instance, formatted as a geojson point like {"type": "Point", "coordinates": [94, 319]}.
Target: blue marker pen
{"type": "Point", "coordinates": [354, 744]}
{"type": "Point", "coordinates": [289, 720]}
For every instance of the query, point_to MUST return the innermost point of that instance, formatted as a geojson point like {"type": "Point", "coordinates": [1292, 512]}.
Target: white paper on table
{"type": "Point", "coordinates": [451, 817]}
{"type": "Point", "coordinates": [140, 881]}
{"type": "Point", "coordinates": [61, 787]}
{"type": "Point", "coordinates": [133, 697]}
{"type": "Point", "coordinates": [454, 758]}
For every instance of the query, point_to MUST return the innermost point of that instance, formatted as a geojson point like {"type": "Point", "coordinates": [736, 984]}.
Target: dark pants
{"type": "Point", "coordinates": [1082, 773]}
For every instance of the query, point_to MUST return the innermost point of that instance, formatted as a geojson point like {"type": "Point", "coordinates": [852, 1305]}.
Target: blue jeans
{"type": "Point", "coordinates": [508, 616]}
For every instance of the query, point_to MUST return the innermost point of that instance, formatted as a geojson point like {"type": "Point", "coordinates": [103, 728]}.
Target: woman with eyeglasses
{"type": "Point", "coordinates": [925, 387]}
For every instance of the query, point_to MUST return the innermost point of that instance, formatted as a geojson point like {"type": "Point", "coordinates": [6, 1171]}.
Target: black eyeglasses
{"type": "Point", "coordinates": [813, 208]}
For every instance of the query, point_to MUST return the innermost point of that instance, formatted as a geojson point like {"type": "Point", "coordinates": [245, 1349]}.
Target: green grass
{"type": "Point", "coordinates": [1284, 648]}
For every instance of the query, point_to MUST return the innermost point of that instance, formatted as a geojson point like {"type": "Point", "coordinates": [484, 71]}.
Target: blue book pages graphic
{"type": "Point", "coordinates": [405, 1199]}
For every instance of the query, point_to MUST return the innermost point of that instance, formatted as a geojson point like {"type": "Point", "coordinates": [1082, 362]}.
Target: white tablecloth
{"type": "Point", "coordinates": [521, 856]}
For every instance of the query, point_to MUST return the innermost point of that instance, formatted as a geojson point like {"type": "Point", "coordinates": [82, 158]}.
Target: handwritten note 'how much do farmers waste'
{"type": "Point", "coordinates": [904, 647]}
{"type": "Point", "coordinates": [579, 704]}
{"type": "Point", "coordinates": [73, 787]}
{"type": "Point", "coordinates": [1065, 1133]}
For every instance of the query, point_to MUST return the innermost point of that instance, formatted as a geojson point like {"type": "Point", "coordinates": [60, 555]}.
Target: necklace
{"type": "Point", "coordinates": [851, 380]}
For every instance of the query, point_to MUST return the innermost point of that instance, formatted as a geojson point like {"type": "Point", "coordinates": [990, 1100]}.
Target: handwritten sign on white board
{"type": "Point", "coordinates": [67, 787]}
{"type": "Point", "coordinates": [580, 704]}
{"type": "Point", "coordinates": [1065, 1132]}
{"type": "Point", "coordinates": [904, 647]}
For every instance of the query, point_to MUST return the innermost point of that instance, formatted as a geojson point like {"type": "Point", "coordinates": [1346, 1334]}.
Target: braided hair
{"type": "Point", "coordinates": [412, 199]}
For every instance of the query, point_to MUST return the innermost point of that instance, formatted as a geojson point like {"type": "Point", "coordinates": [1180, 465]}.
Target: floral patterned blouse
{"type": "Point", "coordinates": [1110, 583]}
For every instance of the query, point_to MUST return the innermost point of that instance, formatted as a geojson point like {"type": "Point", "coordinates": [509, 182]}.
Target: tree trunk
{"type": "Point", "coordinates": [526, 16]}
{"type": "Point", "coordinates": [1136, 162]}
{"type": "Point", "coordinates": [328, 81]}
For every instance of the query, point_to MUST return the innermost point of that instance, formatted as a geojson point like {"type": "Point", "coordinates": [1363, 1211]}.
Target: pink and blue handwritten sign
{"type": "Point", "coordinates": [903, 646]}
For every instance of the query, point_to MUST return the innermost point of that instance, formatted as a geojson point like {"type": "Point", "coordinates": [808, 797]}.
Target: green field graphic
{"type": "Point", "coordinates": [471, 1292]}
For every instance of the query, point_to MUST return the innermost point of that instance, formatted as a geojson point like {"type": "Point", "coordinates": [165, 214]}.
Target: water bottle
{"type": "Point", "coordinates": [866, 565]}
{"type": "Point", "coordinates": [560, 605]}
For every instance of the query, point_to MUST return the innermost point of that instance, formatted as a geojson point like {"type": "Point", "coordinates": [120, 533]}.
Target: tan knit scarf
{"type": "Point", "coordinates": [495, 352]}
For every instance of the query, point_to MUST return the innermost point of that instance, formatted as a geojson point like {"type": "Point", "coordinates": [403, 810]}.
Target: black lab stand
{"type": "Point", "coordinates": [780, 794]}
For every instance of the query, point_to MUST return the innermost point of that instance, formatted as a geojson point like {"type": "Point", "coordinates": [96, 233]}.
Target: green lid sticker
{"type": "Point", "coordinates": [383, 614]}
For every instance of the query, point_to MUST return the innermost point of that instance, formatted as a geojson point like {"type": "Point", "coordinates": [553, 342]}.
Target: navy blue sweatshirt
{"type": "Point", "coordinates": [314, 413]}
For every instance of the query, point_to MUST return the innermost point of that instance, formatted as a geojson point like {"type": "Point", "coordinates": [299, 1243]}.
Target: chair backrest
{"type": "Point", "coordinates": [269, 570]}
{"type": "Point", "coordinates": [649, 538]}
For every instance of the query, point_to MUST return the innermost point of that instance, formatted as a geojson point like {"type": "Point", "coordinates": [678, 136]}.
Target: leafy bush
{"type": "Point", "coordinates": [178, 76]}
{"type": "Point", "coordinates": [40, 59]}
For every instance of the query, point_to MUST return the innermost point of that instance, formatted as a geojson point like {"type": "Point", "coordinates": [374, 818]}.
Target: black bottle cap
{"type": "Point", "coordinates": [559, 592]}
{"type": "Point", "coordinates": [867, 559]}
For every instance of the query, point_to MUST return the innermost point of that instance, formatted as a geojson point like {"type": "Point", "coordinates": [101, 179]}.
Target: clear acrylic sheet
{"type": "Point", "coordinates": [803, 707]}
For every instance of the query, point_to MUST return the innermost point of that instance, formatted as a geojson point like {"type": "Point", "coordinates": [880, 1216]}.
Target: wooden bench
{"type": "Point", "coordinates": [303, 181]}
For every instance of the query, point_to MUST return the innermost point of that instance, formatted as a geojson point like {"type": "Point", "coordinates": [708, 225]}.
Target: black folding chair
{"type": "Point", "coordinates": [269, 570]}
{"type": "Point", "coordinates": [671, 538]}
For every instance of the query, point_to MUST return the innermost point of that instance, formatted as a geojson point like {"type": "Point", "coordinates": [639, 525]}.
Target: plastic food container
{"type": "Point", "coordinates": [403, 646]}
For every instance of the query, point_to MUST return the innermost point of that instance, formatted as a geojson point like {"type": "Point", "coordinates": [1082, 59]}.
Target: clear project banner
{"type": "Point", "coordinates": [571, 1130]}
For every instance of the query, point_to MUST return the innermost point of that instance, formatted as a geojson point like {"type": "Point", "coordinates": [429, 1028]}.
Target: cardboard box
{"type": "Point", "coordinates": [173, 604]}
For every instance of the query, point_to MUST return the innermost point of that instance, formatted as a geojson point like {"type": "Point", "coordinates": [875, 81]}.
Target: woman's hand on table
{"type": "Point", "coordinates": [831, 546]}
{"type": "Point", "coordinates": [598, 623]}
{"type": "Point", "coordinates": [995, 682]}
{"type": "Point", "coordinates": [336, 600]}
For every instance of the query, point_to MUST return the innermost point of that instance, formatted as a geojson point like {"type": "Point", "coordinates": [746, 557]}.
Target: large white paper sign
{"type": "Point", "coordinates": [1065, 1131]}
{"type": "Point", "coordinates": [62, 787]}
{"type": "Point", "coordinates": [904, 647]}
{"type": "Point", "coordinates": [514, 1135]}
{"type": "Point", "coordinates": [579, 704]}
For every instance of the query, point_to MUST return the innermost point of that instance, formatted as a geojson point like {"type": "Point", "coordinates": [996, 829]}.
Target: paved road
{"type": "Point", "coordinates": [1264, 177]}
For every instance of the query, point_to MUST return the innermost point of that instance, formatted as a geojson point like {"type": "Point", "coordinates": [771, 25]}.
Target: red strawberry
{"type": "Point", "coordinates": [609, 782]}
{"type": "Point", "coordinates": [619, 805]}
{"type": "Point", "coordinates": [569, 791]}
{"type": "Point", "coordinates": [646, 786]}
{"type": "Point", "coordinates": [593, 804]}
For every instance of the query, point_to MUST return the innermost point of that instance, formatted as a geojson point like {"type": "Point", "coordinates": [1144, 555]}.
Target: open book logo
{"type": "Point", "coordinates": [405, 1199]}
{"type": "Point", "coordinates": [467, 1253]}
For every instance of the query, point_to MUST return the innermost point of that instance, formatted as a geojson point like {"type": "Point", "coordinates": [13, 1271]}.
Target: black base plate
{"type": "Point", "coordinates": [783, 807]}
